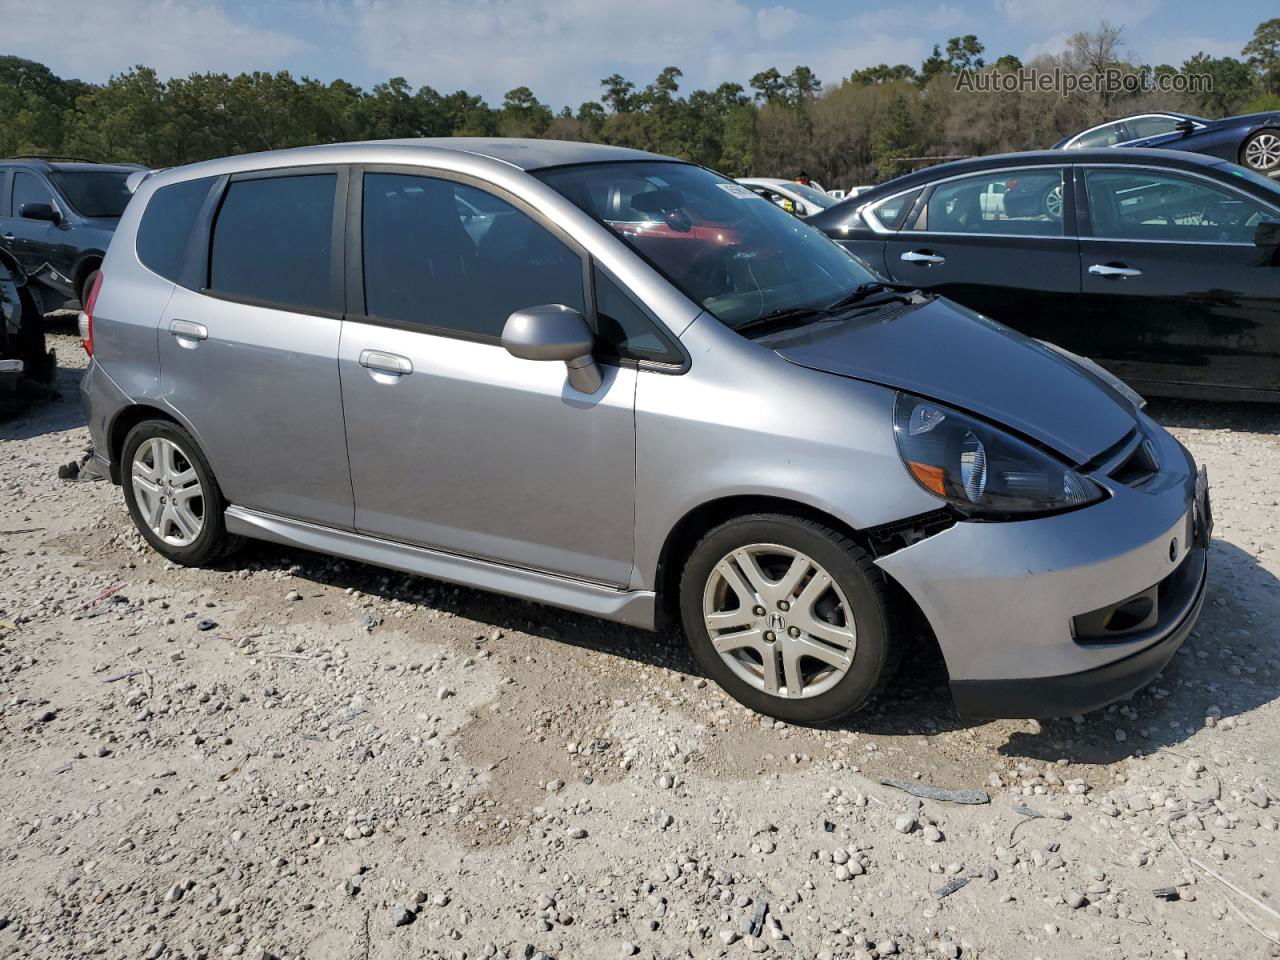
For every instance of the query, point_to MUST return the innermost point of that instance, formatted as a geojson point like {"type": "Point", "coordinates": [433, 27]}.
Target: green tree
{"type": "Point", "coordinates": [770, 86]}
{"type": "Point", "coordinates": [1263, 54]}
{"type": "Point", "coordinates": [882, 73]}
{"type": "Point", "coordinates": [619, 93]}
{"type": "Point", "coordinates": [1230, 83]}
{"type": "Point", "coordinates": [523, 115]}
{"type": "Point", "coordinates": [895, 137]}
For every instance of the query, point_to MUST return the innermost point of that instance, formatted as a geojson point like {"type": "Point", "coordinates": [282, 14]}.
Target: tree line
{"type": "Point", "coordinates": [871, 124]}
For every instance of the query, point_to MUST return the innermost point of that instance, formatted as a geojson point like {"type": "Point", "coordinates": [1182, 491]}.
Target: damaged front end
{"type": "Point", "coordinates": [26, 365]}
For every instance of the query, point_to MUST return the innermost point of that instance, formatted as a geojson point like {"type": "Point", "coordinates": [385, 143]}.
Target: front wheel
{"type": "Point", "coordinates": [172, 495]}
{"type": "Point", "coordinates": [789, 616]}
{"type": "Point", "coordinates": [1261, 152]}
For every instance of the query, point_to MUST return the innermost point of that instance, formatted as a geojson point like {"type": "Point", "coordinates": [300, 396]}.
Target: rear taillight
{"type": "Point", "coordinates": [86, 315]}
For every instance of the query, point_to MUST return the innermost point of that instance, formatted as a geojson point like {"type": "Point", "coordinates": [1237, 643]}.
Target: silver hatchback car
{"type": "Point", "coordinates": [627, 386]}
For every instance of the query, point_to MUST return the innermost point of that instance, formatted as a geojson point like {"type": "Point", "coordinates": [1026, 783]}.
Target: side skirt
{"type": "Point", "coordinates": [633, 607]}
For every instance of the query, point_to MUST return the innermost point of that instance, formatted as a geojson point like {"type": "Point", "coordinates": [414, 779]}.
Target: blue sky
{"type": "Point", "coordinates": [562, 48]}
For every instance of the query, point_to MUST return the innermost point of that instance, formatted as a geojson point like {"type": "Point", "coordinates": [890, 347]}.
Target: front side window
{"type": "Point", "coordinates": [94, 193]}
{"type": "Point", "coordinates": [1143, 205]}
{"type": "Point", "coordinates": [1107, 135]}
{"type": "Point", "coordinates": [999, 202]}
{"type": "Point", "coordinates": [719, 243]}
{"type": "Point", "coordinates": [1139, 128]}
{"type": "Point", "coordinates": [624, 328]}
{"type": "Point", "coordinates": [446, 255]}
{"type": "Point", "coordinates": [165, 231]}
{"type": "Point", "coordinates": [28, 189]}
{"type": "Point", "coordinates": [272, 241]}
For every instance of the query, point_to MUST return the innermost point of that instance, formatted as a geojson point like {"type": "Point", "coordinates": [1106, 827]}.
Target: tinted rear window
{"type": "Point", "coordinates": [94, 193]}
{"type": "Point", "coordinates": [165, 231]}
{"type": "Point", "coordinates": [272, 241]}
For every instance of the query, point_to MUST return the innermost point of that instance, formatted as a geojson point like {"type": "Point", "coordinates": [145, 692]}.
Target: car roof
{"type": "Point", "coordinates": [1125, 156]}
{"type": "Point", "coordinates": [50, 164]}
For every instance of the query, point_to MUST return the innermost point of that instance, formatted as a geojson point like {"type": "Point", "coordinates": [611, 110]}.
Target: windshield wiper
{"type": "Point", "coordinates": [864, 291]}
{"type": "Point", "coordinates": [782, 318]}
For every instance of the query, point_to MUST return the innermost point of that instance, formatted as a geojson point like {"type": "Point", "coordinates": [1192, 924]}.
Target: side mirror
{"type": "Point", "coordinates": [555, 332]}
{"type": "Point", "coordinates": [40, 211]}
{"type": "Point", "coordinates": [1184, 126]}
{"type": "Point", "coordinates": [1267, 234]}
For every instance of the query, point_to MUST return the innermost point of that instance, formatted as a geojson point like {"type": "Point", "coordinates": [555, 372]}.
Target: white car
{"type": "Point", "coordinates": [797, 198]}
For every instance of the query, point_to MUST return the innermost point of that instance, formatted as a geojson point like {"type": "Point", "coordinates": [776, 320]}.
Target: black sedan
{"type": "Point", "coordinates": [1164, 267]}
{"type": "Point", "coordinates": [1252, 140]}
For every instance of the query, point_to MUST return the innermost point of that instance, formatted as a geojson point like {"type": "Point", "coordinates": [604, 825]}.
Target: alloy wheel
{"type": "Point", "coordinates": [168, 491]}
{"type": "Point", "coordinates": [779, 620]}
{"type": "Point", "coordinates": [1263, 152]}
{"type": "Point", "coordinates": [1053, 203]}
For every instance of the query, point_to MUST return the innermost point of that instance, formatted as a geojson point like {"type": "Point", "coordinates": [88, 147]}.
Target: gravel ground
{"type": "Point", "coordinates": [293, 756]}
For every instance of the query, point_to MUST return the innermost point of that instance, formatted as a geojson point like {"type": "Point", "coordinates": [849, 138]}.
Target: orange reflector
{"type": "Point", "coordinates": [931, 478]}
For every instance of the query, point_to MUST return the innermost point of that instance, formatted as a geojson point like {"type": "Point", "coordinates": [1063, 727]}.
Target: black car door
{"type": "Point", "coordinates": [1176, 296]}
{"type": "Point", "coordinates": [999, 243]}
{"type": "Point", "coordinates": [36, 243]}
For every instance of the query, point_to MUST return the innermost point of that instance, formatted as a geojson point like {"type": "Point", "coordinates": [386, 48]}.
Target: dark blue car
{"type": "Point", "coordinates": [1252, 140]}
{"type": "Point", "coordinates": [56, 220]}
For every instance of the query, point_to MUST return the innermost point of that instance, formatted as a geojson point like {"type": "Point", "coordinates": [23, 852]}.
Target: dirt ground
{"type": "Point", "coordinates": [293, 756]}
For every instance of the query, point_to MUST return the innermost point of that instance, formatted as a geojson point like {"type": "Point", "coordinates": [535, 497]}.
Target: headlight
{"type": "Point", "coordinates": [981, 470]}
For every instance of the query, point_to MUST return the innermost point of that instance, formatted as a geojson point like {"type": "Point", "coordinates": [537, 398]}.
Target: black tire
{"type": "Point", "coordinates": [1244, 150]}
{"type": "Point", "coordinates": [878, 651]}
{"type": "Point", "coordinates": [212, 542]}
{"type": "Point", "coordinates": [86, 286]}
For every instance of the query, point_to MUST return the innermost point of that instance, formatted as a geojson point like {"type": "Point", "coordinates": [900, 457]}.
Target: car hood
{"type": "Point", "coordinates": [938, 349]}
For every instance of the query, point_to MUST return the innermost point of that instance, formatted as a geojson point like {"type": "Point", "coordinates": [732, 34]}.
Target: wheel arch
{"type": "Point", "coordinates": [696, 523]}
{"type": "Point", "coordinates": [124, 421]}
{"type": "Point", "coordinates": [89, 261]}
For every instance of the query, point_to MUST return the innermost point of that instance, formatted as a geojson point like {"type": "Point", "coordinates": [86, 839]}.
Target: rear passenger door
{"type": "Point", "coordinates": [248, 341]}
{"type": "Point", "coordinates": [454, 443]}
{"type": "Point", "coordinates": [997, 242]}
{"type": "Point", "coordinates": [1176, 296]}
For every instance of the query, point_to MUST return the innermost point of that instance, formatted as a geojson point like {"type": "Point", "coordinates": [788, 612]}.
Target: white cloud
{"type": "Point", "coordinates": [91, 39]}
{"type": "Point", "coordinates": [1056, 16]}
{"type": "Point", "coordinates": [562, 50]}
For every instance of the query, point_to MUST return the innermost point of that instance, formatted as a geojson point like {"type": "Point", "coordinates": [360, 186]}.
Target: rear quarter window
{"type": "Point", "coordinates": [164, 234]}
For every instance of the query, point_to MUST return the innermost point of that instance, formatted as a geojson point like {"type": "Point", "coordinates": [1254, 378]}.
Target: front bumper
{"type": "Point", "coordinates": [1004, 599]}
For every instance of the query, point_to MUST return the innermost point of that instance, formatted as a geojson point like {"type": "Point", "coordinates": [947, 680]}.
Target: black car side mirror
{"type": "Point", "coordinates": [555, 332]}
{"type": "Point", "coordinates": [1267, 234]}
{"type": "Point", "coordinates": [1185, 126]}
{"type": "Point", "coordinates": [40, 211]}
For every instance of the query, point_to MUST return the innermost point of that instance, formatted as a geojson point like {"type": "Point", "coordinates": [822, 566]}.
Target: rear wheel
{"type": "Point", "coordinates": [172, 495]}
{"type": "Point", "coordinates": [789, 616]}
{"type": "Point", "coordinates": [1261, 151]}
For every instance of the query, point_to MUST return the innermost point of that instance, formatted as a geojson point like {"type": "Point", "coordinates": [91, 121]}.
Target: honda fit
{"type": "Point", "coordinates": [627, 386]}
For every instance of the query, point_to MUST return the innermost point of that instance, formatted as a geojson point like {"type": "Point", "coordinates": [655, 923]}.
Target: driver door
{"type": "Point", "coordinates": [1174, 291]}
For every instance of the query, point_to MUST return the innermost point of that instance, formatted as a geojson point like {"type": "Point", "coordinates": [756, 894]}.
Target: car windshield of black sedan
{"type": "Point", "coordinates": [94, 193]}
{"type": "Point", "coordinates": [733, 252]}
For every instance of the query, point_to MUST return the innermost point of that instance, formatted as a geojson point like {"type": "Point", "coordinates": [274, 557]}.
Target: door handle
{"type": "Point", "coordinates": [380, 361]}
{"type": "Point", "coordinates": [1108, 270]}
{"type": "Point", "coordinates": [188, 330]}
{"type": "Point", "coordinates": [922, 256]}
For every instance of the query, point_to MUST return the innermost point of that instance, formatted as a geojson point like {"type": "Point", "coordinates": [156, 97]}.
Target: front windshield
{"type": "Point", "coordinates": [94, 193]}
{"type": "Point", "coordinates": [815, 197]}
{"type": "Point", "coordinates": [735, 253]}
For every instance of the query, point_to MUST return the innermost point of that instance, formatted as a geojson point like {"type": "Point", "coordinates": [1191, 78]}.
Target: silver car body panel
{"type": "Point", "coordinates": [567, 499]}
{"type": "Point", "coordinates": [1001, 596]}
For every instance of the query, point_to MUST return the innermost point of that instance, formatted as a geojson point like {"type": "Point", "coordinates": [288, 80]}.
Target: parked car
{"type": "Point", "coordinates": [723, 421]}
{"type": "Point", "coordinates": [1161, 266]}
{"type": "Point", "coordinates": [1252, 140]}
{"type": "Point", "coordinates": [796, 198]}
{"type": "Point", "coordinates": [24, 358]}
{"type": "Point", "coordinates": [57, 218]}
